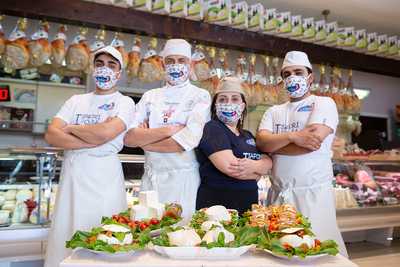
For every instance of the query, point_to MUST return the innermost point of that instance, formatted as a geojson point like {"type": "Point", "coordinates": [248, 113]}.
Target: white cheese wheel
{"type": "Point", "coordinates": [4, 216]}
{"type": "Point", "coordinates": [10, 194]}
{"type": "Point", "coordinates": [212, 235]}
{"type": "Point", "coordinates": [2, 200]}
{"type": "Point", "coordinates": [140, 212]}
{"type": "Point", "coordinates": [115, 228]}
{"type": "Point", "coordinates": [184, 238]}
{"type": "Point", "coordinates": [296, 241]}
{"type": "Point", "coordinates": [218, 213]}
{"type": "Point", "coordinates": [23, 195]}
{"type": "Point", "coordinates": [148, 198]}
{"type": "Point", "coordinates": [9, 205]}
{"type": "Point", "coordinates": [157, 211]}
{"type": "Point", "coordinates": [20, 213]}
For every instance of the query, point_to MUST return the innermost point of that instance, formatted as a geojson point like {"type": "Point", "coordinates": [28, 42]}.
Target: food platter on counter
{"type": "Point", "coordinates": [113, 255]}
{"type": "Point", "coordinates": [296, 258]}
{"type": "Point", "coordinates": [202, 253]}
{"type": "Point", "coordinates": [213, 233]}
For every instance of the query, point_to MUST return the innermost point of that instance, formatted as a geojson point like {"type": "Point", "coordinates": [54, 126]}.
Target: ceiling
{"type": "Point", "coordinates": [381, 16]}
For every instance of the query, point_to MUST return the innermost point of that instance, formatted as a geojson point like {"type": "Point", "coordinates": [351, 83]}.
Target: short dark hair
{"type": "Point", "coordinates": [309, 71]}
{"type": "Point", "coordinates": [244, 113]}
{"type": "Point", "coordinates": [105, 53]}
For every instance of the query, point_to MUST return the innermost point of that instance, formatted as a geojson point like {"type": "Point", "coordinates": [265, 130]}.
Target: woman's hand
{"type": "Point", "coordinates": [244, 169]}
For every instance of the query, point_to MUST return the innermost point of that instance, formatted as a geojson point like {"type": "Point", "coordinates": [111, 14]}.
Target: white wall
{"type": "Point", "coordinates": [385, 92]}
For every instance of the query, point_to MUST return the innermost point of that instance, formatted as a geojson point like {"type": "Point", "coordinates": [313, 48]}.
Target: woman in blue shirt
{"type": "Point", "coordinates": [230, 163]}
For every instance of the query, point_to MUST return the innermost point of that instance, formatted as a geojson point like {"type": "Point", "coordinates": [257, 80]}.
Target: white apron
{"type": "Point", "coordinates": [91, 186]}
{"type": "Point", "coordinates": [176, 178]}
{"type": "Point", "coordinates": [306, 187]}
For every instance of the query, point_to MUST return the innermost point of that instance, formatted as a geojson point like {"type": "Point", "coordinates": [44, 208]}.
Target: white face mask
{"type": "Point", "coordinates": [229, 113]}
{"type": "Point", "coordinates": [297, 86]}
{"type": "Point", "coordinates": [177, 73]}
{"type": "Point", "coordinates": [105, 78]}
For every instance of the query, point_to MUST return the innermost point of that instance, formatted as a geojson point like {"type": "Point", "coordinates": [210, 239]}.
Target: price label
{"type": "Point", "coordinates": [5, 93]}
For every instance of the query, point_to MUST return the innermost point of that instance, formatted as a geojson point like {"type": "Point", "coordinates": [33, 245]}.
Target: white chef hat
{"type": "Point", "coordinates": [177, 47]}
{"type": "Point", "coordinates": [231, 85]}
{"type": "Point", "coordinates": [296, 58]}
{"type": "Point", "coordinates": [112, 52]}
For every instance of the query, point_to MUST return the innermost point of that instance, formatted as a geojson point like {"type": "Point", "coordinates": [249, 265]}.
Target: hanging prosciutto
{"type": "Point", "coordinates": [39, 46]}
{"type": "Point", "coordinates": [151, 68]}
{"type": "Point", "coordinates": [212, 83]}
{"type": "Point", "coordinates": [78, 53]}
{"type": "Point", "coordinates": [58, 47]}
{"type": "Point", "coordinates": [2, 37]}
{"type": "Point", "coordinates": [16, 55]}
{"type": "Point", "coordinates": [120, 46]}
{"type": "Point", "coordinates": [134, 57]}
{"type": "Point", "coordinates": [200, 65]}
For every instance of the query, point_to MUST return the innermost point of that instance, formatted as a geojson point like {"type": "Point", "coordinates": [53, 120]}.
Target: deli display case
{"type": "Point", "coordinates": [29, 176]}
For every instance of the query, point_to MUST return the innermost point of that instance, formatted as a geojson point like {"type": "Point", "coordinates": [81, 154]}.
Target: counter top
{"type": "Point", "coordinates": [83, 258]}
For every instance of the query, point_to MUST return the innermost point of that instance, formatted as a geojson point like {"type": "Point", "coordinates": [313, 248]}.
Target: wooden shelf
{"type": "Point", "coordinates": [133, 21]}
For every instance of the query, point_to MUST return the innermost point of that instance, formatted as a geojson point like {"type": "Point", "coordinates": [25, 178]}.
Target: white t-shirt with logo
{"type": "Point", "coordinates": [88, 109]}
{"type": "Point", "coordinates": [295, 116]}
{"type": "Point", "coordinates": [186, 105]}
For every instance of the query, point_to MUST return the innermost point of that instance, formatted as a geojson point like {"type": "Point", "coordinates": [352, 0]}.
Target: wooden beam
{"type": "Point", "coordinates": [133, 21]}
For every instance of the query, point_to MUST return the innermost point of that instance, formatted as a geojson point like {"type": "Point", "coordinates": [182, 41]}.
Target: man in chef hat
{"type": "Point", "coordinates": [168, 126]}
{"type": "Point", "coordinates": [90, 127]}
{"type": "Point", "coordinates": [299, 134]}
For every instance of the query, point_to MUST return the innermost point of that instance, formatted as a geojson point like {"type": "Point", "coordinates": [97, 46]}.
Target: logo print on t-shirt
{"type": "Point", "coordinates": [251, 142]}
{"type": "Point", "coordinates": [167, 114]}
{"type": "Point", "coordinates": [87, 119]}
{"type": "Point", "coordinates": [306, 108]}
{"type": "Point", "coordinates": [107, 107]}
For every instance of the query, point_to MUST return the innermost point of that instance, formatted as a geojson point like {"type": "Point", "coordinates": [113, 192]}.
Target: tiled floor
{"type": "Point", "coordinates": [372, 255]}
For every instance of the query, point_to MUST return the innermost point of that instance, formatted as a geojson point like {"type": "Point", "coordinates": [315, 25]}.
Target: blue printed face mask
{"type": "Point", "coordinates": [105, 78]}
{"type": "Point", "coordinates": [229, 113]}
{"type": "Point", "coordinates": [177, 73]}
{"type": "Point", "coordinates": [296, 86]}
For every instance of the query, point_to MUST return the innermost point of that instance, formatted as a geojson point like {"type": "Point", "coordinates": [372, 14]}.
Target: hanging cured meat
{"type": "Point", "coordinates": [246, 84]}
{"type": "Point", "coordinates": [17, 50]}
{"type": "Point", "coordinates": [78, 53]}
{"type": "Point", "coordinates": [39, 46]}
{"type": "Point", "coordinates": [200, 65]}
{"type": "Point", "coordinates": [353, 103]}
{"type": "Point", "coordinates": [151, 68]}
{"type": "Point", "coordinates": [270, 94]}
{"type": "Point", "coordinates": [212, 83]}
{"type": "Point", "coordinates": [337, 91]}
{"type": "Point", "coordinates": [2, 37]}
{"type": "Point", "coordinates": [134, 57]}
{"type": "Point", "coordinates": [224, 63]}
{"type": "Point", "coordinates": [96, 45]}
{"type": "Point", "coordinates": [58, 47]}
{"type": "Point", "coordinates": [99, 41]}
{"type": "Point", "coordinates": [120, 46]}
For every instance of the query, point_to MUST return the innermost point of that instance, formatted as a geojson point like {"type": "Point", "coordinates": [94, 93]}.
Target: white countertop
{"type": "Point", "coordinates": [151, 259]}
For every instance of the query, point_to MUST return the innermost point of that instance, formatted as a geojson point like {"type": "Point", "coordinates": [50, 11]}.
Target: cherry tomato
{"type": "Point", "coordinates": [317, 242]}
{"type": "Point", "coordinates": [154, 221]}
{"type": "Point", "coordinates": [143, 226]}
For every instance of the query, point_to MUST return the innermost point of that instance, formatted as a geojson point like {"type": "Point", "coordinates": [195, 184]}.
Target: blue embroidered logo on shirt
{"type": "Point", "coordinates": [251, 142]}
{"type": "Point", "coordinates": [306, 108]}
{"type": "Point", "coordinates": [107, 107]}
